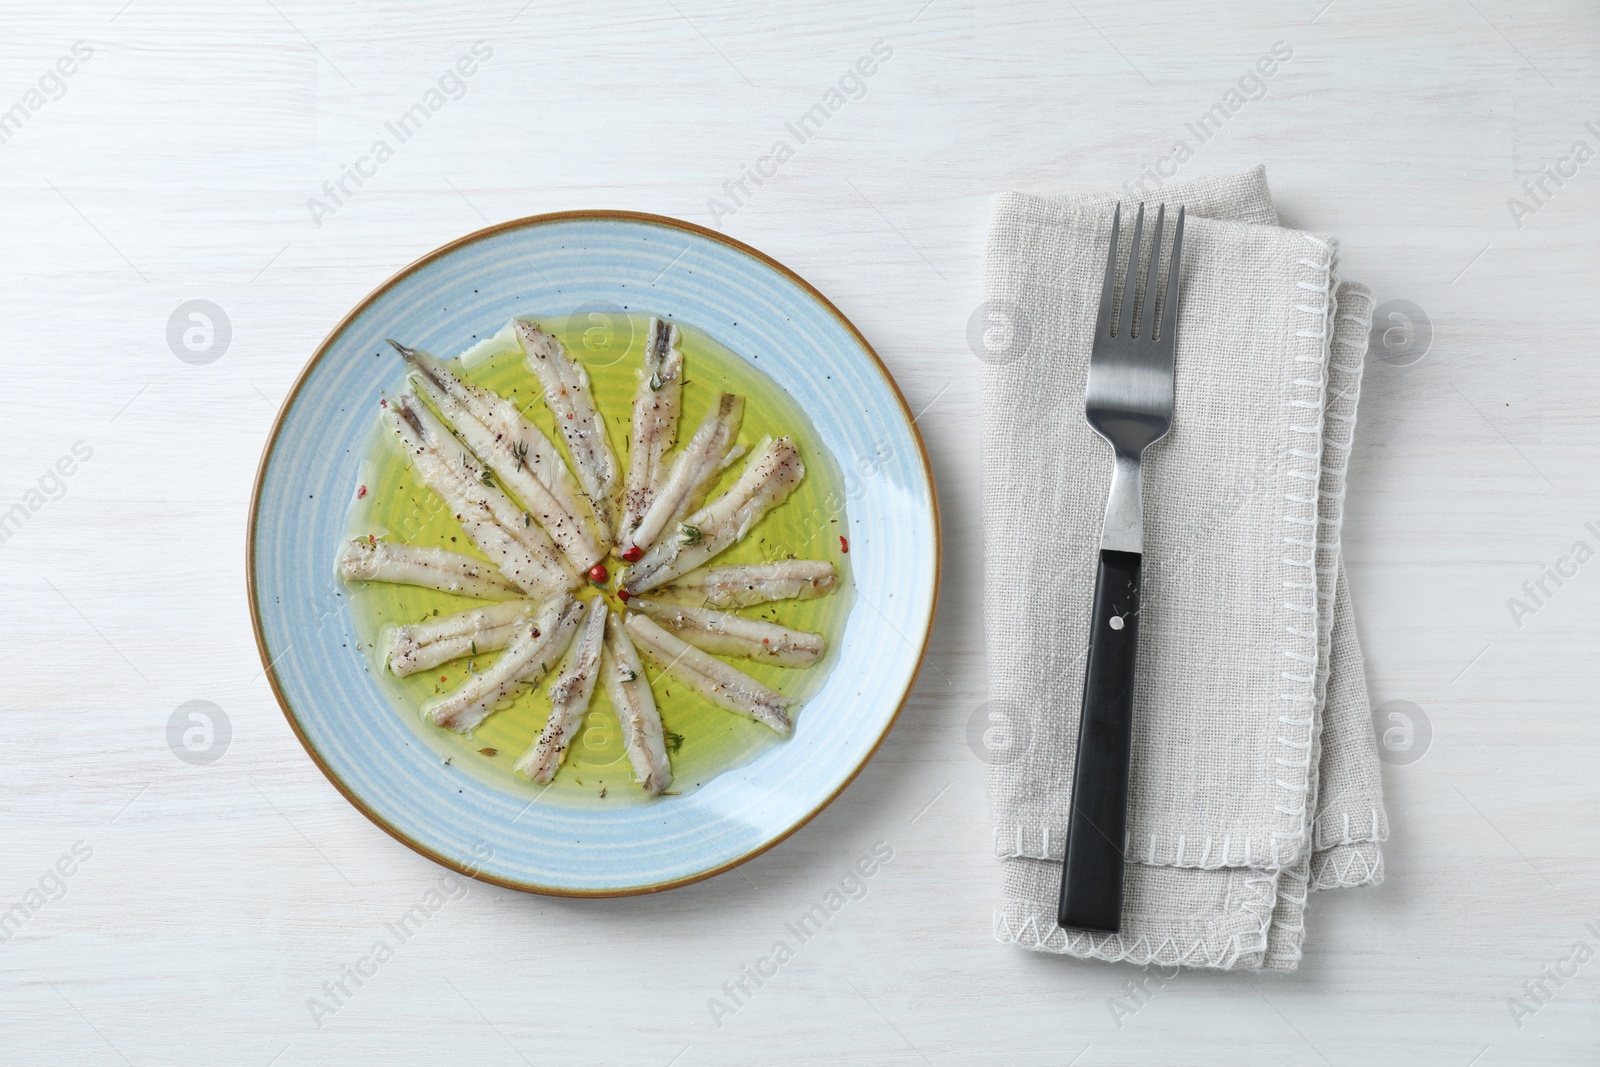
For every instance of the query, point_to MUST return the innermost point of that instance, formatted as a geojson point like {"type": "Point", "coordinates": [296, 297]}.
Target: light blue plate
{"type": "Point", "coordinates": [562, 264]}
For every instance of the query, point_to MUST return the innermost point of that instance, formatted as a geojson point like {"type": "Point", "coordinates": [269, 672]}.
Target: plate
{"type": "Point", "coordinates": [590, 264]}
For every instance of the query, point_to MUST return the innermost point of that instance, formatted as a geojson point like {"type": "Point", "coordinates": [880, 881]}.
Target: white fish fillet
{"type": "Point", "coordinates": [536, 643]}
{"type": "Point", "coordinates": [476, 482]}
{"type": "Point", "coordinates": [366, 559]}
{"type": "Point", "coordinates": [567, 393]}
{"type": "Point", "coordinates": [424, 645]}
{"type": "Point", "coordinates": [725, 686]}
{"type": "Point", "coordinates": [771, 475]}
{"type": "Point", "coordinates": [745, 584]}
{"type": "Point", "coordinates": [726, 634]}
{"type": "Point", "coordinates": [630, 694]}
{"type": "Point", "coordinates": [520, 455]}
{"type": "Point", "coordinates": [706, 454]}
{"type": "Point", "coordinates": [570, 694]}
{"type": "Point", "coordinates": [655, 424]}
{"type": "Point", "coordinates": [504, 532]}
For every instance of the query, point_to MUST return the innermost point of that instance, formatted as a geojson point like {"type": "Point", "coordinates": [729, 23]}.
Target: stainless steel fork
{"type": "Point", "coordinates": [1129, 403]}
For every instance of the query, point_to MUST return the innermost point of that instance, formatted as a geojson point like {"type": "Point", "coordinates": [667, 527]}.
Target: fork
{"type": "Point", "coordinates": [1129, 403]}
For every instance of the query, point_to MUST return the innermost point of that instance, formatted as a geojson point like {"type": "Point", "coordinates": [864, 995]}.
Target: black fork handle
{"type": "Point", "coordinates": [1091, 877]}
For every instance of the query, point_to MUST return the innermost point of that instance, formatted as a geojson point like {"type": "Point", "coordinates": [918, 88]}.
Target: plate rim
{"type": "Point", "coordinates": [524, 222]}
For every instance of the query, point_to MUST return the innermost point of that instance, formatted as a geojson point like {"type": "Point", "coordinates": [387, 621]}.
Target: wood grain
{"type": "Point", "coordinates": [217, 899]}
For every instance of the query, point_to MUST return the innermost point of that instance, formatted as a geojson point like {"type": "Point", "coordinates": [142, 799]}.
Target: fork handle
{"type": "Point", "coordinates": [1091, 877]}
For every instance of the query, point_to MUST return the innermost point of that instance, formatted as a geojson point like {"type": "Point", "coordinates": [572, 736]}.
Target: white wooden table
{"type": "Point", "coordinates": [207, 903]}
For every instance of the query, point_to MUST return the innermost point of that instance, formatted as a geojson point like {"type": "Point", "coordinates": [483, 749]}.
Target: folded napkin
{"type": "Point", "coordinates": [1255, 770]}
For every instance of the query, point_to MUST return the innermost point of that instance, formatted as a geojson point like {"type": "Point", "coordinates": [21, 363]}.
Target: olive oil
{"type": "Point", "coordinates": [702, 739]}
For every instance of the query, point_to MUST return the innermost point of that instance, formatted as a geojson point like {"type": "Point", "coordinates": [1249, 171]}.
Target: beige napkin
{"type": "Point", "coordinates": [1254, 765]}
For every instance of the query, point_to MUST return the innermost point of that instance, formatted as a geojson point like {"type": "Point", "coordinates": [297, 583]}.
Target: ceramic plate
{"type": "Point", "coordinates": [584, 263]}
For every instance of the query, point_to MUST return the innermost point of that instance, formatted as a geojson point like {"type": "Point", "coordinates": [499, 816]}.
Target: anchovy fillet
{"type": "Point", "coordinates": [520, 455]}
{"type": "Point", "coordinates": [725, 686]}
{"type": "Point", "coordinates": [366, 559]}
{"type": "Point", "coordinates": [655, 424]}
{"type": "Point", "coordinates": [742, 585]}
{"type": "Point", "coordinates": [570, 694]}
{"type": "Point", "coordinates": [702, 459]}
{"type": "Point", "coordinates": [536, 644]}
{"type": "Point", "coordinates": [726, 634]}
{"type": "Point", "coordinates": [500, 529]}
{"type": "Point", "coordinates": [768, 479]}
{"type": "Point", "coordinates": [427, 644]}
{"type": "Point", "coordinates": [571, 401]}
{"type": "Point", "coordinates": [630, 694]}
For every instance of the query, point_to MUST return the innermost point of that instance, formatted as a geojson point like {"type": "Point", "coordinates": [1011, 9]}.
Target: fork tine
{"type": "Point", "coordinates": [1125, 317]}
{"type": "Point", "coordinates": [1102, 327]}
{"type": "Point", "coordinates": [1169, 311]}
{"type": "Point", "coordinates": [1147, 314]}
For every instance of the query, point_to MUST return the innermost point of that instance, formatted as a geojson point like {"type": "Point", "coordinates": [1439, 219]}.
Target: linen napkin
{"type": "Point", "coordinates": [1254, 775]}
